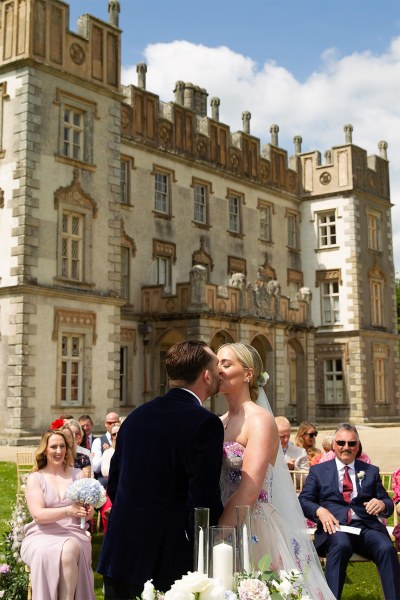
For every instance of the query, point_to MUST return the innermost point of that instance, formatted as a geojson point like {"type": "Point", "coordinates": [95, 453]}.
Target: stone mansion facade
{"type": "Point", "coordinates": [128, 223]}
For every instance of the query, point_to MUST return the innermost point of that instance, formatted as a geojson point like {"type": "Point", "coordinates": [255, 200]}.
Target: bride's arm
{"type": "Point", "coordinates": [261, 450]}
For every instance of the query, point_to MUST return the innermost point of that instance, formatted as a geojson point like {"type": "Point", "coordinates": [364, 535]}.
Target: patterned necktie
{"type": "Point", "coordinates": [347, 489]}
{"type": "Point", "coordinates": [88, 445]}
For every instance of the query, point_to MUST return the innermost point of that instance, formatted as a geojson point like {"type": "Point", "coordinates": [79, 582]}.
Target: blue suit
{"type": "Point", "coordinates": [167, 461]}
{"type": "Point", "coordinates": [322, 489]}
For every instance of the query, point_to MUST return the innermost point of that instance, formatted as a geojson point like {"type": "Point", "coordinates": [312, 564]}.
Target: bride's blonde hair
{"type": "Point", "coordinates": [249, 359]}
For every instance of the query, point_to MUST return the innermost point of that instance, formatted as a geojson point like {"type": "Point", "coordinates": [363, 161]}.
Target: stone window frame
{"type": "Point", "coordinates": [374, 234]}
{"type": "Point", "coordinates": [327, 226]}
{"type": "Point", "coordinates": [326, 353]}
{"type": "Point", "coordinates": [80, 323]}
{"type": "Point", "coordinates": [170, 178]}
{"type": "Point", "coordinates": [270, 207]}
{"type": "Point", "coordinates": [293, 233]}
{"type": "Point", "coordinates": [125, 198]}
{"type": "Point", "coordinates": [239, 196]}
{"type": "Point", "coordinates": [88, 109]}
{"type": "Point", "coordinates": [73, 199]}
{"type": "Point", "coordinates": [207, 185]}
{"type": "Point", "coordinates": [380, 359]}
{"type": "Point", "coordinates": [166, 251]}
{"type": "Point", "coordinates": [324, 277]}
{"type": "Point", "coordinates": [377, 281]}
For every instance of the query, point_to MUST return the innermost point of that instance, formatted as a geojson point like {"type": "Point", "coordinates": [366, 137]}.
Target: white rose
{"type": "Point", "coordinates": [214, 591]}
{"type": "Point", "coordinates": [178, 593]}
{"type": "Point", "coordinates": [193, 582]}
{"type": "Point", "coordinates": [148, 591]}
{"type": "Point", "coordinates": [253, 589]}
{"type": "Point", "coordinates": [284, 587]}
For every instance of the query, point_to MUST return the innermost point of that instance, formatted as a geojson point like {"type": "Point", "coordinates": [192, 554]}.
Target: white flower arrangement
{"type": "Point", "coordinates": [86, 491]}
{"type": "Point", "coordinates": [262, 379]}
{"type": "Point", "coordinates": [360, 476]}
{"type": "Point", "coordinates": [259, 585]}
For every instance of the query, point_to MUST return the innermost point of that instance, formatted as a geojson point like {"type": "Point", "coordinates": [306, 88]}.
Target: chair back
{"type": "Point", "coordinates": [25, 461]}
{"type": "Point", "coordinates": [298, 478]}
{"type": "Point", "coordinates": [387, 482]}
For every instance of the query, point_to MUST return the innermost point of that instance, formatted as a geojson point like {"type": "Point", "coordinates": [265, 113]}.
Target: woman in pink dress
{"type": "Point", "coordinates": [57, 550]}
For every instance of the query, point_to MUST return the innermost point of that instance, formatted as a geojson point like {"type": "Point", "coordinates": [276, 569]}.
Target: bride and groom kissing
{"type": "Point", "coordinates": [174, 455]}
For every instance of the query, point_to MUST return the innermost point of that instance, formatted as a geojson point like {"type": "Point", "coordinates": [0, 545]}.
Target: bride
{"type": "Point", "coordinates": [254, 472]}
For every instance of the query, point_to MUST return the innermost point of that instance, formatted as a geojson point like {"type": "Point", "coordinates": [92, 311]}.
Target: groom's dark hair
{"type": "Point", "coordinates": [185, 360]}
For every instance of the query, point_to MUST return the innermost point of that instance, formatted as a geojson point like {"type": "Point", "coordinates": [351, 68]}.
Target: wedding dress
{"type": "Point", "coordinates": [278, 526]}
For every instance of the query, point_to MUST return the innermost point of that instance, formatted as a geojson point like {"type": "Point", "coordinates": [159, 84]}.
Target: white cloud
{"type": "Point", "coordinates": [362, 89]}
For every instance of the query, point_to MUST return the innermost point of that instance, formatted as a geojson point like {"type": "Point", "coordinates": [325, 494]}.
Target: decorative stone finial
{"type": "Point", "coordinates": [246, 116]}
{"type": "Point", "coordinates": [113, 12]}
{"type": "Point", "coordinates": [348, 129]}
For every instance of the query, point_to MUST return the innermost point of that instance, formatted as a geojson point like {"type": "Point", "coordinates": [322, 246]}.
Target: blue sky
{"type": "Point", "coordinates": [311, 66]}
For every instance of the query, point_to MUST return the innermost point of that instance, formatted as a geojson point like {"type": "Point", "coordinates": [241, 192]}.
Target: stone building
{"type": "Point", "coordinates": [128, 223]}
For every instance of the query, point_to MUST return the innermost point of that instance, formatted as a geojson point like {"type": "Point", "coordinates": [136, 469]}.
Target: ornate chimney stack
{"type": "Point", "coordinates": [215, 102]}
{"type": "Point", "coordinates": [113, 12]}
{"type": "Point", "coordinates": [141, 70]}
{"type": "Point", "coordinates": [246, 116]}
{"type": "Point", "coordinates": [348, 129]}
{"type": "Point", "coordinates": [297, 140]}
{"type": "Point", "coordinates": [188, 96]}
{"type": "Point", "coordinates": [274, 130]}
{"type": "Point", "coordinates": [179, 92]}
{"type": "Point", "coordinates": [383, 146]}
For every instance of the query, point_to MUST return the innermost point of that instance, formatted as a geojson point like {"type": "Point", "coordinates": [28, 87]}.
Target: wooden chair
{"type": "Point", "coordinates": [298, 478]}
{"type": "Point", "coordinates": [25, 461]}
{"type": "Point", "coordinates": [386, 478]}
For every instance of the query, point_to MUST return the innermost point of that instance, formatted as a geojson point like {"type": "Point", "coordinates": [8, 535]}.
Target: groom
{"type": "Point", "coordinates": [346, 491]}
{"type": "Point", "coordinates": [167, 461]}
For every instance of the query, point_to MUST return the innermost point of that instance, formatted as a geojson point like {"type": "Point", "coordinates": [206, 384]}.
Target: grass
{"type": "Point", "coordinates": [362, 581]}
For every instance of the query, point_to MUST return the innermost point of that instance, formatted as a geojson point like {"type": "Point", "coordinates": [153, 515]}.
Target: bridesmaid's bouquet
{"type": "Point", "coordinates": [87, 491]}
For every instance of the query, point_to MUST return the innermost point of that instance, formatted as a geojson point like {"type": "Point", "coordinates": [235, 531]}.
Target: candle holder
{"type": "Point", "coordinates": [244, 541]}
{"type": "Point", "coordinates": [222, 555]}
{"type": "Point", "coordinates": [201, 539]}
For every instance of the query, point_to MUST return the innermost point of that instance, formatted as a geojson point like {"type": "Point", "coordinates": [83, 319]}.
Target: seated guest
{"type": "Point", "coordinates": [105, 468]}
{"type": "Point", "coordinates": [82, 454]}
{"type": "Point", "coordinates": [347, 491]}
{"type": "Point", "coordinates": [295, 457]}
{"type": "Point", "coordinates": [57, 550]}
{"type": "Point", "coordinates": [396, 489]}
{"type": "Point", "coordinates": [305, 438]}
{"type": "Point", "coordinates": [360, 455]}
{"type": "Point", "coordinates": [101, 444]}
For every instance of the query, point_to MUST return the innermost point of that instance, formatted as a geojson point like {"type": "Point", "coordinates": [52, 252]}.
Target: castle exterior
{"type": "Point", "coordinates": [128, 223]}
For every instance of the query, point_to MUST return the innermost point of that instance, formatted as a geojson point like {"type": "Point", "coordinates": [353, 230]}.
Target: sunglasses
{"type": "Point", "coordinates": [313, 434]}
{"type": "Point", "coordinates": [342, 443]}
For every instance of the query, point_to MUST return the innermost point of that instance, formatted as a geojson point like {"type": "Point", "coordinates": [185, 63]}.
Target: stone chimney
{"type": "Point", "coordinates": [297, 140]}
{"type": "Point", "coordinates": [141, 70]}
{"type": "Point", "coordinates": [215, 102]}
{"type": "Point", "coordinates": [246, 116]}
{"type": "Point", "coordinates": [348, 130]}
{"type": "Point", "coordinates": [383, 146]}
{"type": "Point", "coordinates": [113, 12]}
{"type": "Point", "coordinates": [188, 96]}
{"type": "Point", "coordinates": [274, 130]}
{"type": "Point", "coordinates": [179, 92]}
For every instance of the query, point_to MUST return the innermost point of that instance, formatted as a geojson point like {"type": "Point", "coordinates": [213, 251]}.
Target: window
{"type": "Point", "coordinates": [379, 380]}
{"type": "Point", "coordinates": [374, 231]}
{"type": "Point", "coordinates": [330, 303]}
{"type": "Point", "coordinates": [72, 241]}
{"type": "Point", "coordinates": [200, 203]}
{"type": "Point", "coordinates": [76, 129]}
{"type": "Point", "coordinates": [73, 133]}
{"type": "Point", "coordinates": [327, 229]}
{"type": "Point", "coordinates": [162, 195]}
{"type": "Point", "coordinates": [164, 255]}
{"type": "Point", "coordinates": [71, 369]}
{"type": "Point", "coordinates": [376, 303]}
{"type": "Point", "coordinates": [124, 182]}
{"type": "Point", "coordinates": [164, 272]}
{"type": "Point", "coordinates": [234, 204]}
{"type": "Point", "coordinates": [333, 381]}
{"type": "Point", "coordinates": [293, 234]}
{"type": "Point", "coordinates": [265, 223]}
{"type": "Point", "coordinates": [125, 272]}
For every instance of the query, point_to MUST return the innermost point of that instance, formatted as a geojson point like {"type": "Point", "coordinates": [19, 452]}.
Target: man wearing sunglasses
{"type": "Point", "coordinates": [347, 491]}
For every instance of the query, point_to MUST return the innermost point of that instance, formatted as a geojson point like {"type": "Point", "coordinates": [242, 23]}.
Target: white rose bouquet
{"type": "Point", "coordinates": [86, 491]}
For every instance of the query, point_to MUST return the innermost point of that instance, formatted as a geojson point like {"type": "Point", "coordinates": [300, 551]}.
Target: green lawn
{"type": "Point", "coordinates": [362, 581]}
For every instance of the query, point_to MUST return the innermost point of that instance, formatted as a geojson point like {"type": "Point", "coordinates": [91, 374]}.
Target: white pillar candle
{"type": "Point", "coordinates": [223, 564]}
{"type": "Point", "coordinates": [200, 552]}
{"type": "Point", "coordinates": [246, 559]}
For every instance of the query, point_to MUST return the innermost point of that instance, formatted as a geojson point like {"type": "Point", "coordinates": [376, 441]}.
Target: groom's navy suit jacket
{"type": "Point", "coordinates": [322, 489]}
{"type": "Point", "coordinates": [167, 462]}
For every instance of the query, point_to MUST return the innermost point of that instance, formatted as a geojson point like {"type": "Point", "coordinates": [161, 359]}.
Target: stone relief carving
{"type": "Point", "coordinates": [77, 53]}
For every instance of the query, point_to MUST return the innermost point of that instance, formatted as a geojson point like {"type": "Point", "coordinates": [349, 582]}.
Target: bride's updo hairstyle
{"type": "Point", "coordinates": [249, 359]}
